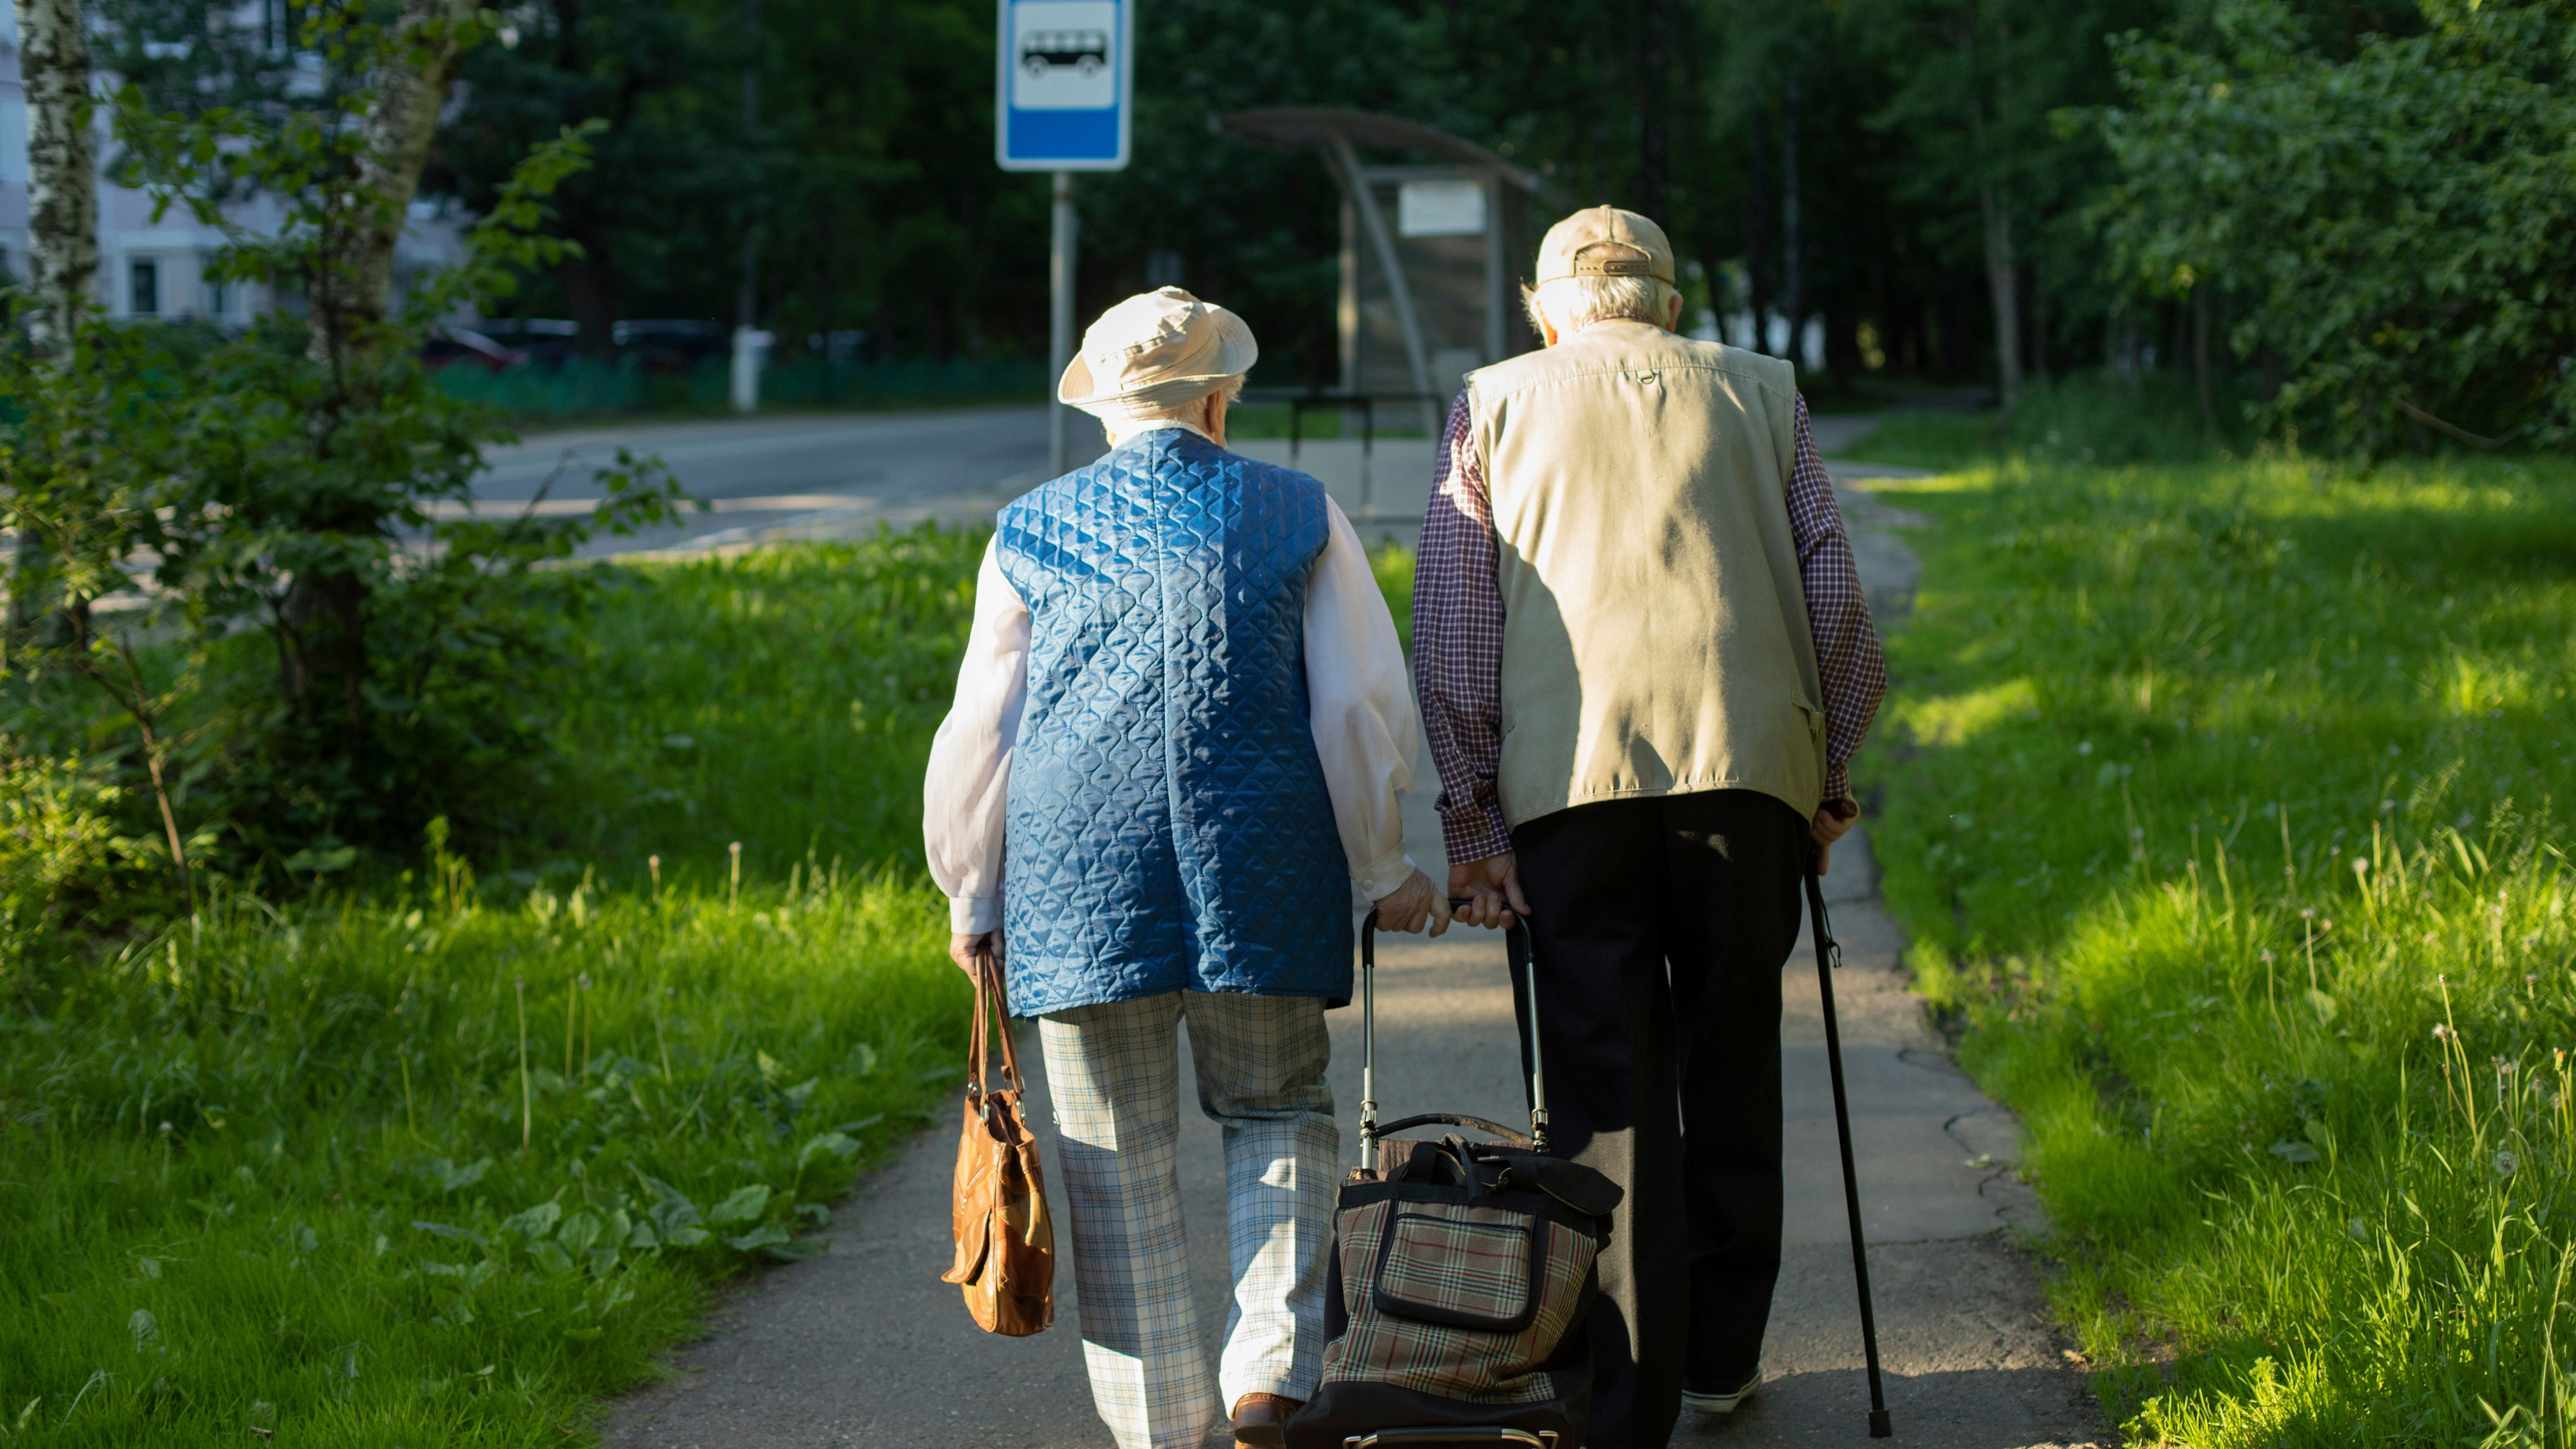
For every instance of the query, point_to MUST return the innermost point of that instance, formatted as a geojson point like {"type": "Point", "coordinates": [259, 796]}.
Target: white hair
{"type": "Point", "coordinates": [1118, 418]}
{"type": "Point", "coordinates": [1570, 304]}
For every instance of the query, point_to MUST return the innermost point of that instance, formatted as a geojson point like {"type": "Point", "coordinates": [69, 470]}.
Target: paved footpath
{"type": "Point", "coordinates": [866, 1346]}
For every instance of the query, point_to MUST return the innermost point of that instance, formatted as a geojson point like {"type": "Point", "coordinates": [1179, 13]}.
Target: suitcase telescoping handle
{"type": "Point", "coordinates": [1371, 1133]}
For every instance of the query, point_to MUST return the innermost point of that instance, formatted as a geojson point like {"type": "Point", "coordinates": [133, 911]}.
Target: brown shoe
{"type": "Point", "coordinates": [1261, 1421]}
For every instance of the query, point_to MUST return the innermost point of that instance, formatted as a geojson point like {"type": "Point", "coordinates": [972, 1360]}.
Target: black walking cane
{"type": "Point", "coordinates": [1829, 954]}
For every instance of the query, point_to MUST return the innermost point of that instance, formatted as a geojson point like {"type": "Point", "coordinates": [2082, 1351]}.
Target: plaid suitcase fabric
{"type": "Point", "coordinates": [1469, 1267]}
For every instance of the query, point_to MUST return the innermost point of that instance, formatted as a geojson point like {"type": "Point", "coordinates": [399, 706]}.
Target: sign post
{"type": "Point", "coordinates": [1061, 88]}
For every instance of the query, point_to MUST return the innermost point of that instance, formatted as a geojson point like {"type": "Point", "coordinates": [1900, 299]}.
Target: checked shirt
{"type": "Point", "coordinates": [1458, 633]}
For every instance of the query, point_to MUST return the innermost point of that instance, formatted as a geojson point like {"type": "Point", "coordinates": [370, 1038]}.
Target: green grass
{"type": "Point", "coordinates": [2209, 794]}
{"type": "Point", "coordinates": [2091, 419]}
{"type": "Point", "coordinates": [1271, 420]}
{"type": "Point", "coordinates": [783, 698]}
{"type": "Point", "coordinates": [440, 1161]}
{"type": "Point", "coordinates": [1926, 440]}
{"type": "Point", "coordinates": [1392, 562]}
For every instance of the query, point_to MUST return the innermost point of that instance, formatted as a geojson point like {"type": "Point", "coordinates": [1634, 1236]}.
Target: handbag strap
{"type": "Point", "coordinates": [992, 1000]}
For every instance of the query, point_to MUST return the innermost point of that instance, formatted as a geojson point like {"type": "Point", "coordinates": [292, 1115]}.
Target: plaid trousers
{"type": "Point", "coordinates": [1113, 1071]}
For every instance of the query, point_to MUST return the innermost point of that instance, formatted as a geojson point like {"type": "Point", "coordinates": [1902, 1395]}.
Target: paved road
{"type": "Point", "coordinates": [837, 473]}
{"type": "Point", "coordinates": [867, 1347]}
{"type": "Point", "coordinates": [778, 478]}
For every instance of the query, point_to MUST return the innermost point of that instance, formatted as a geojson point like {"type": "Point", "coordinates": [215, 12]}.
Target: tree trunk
{"type": "Point", "coordinates": [747, 297]}
{"type": "Point", "coordinates": [1793, 297]}
{"type": "Point", "coordinates": [354, 287]}
{"type": "Point", "coordinates": [1654, 18]}
{"type": "Point", "coordinates": [2200, 355]}
{"type": "Point", "coordinates": [1757, 235]}
{"type": "Point", "coordinates": [2038, 325]}
{"type": "Point", "coordinates": [62, 243]}
{"type": "Point", "coordinates": [62, 166]}
{"type": "Point", "coordinates": [2003, 278]}
{"type": "Point", "coordinates": [350, 294]}
{"type": "Point", "coordinates": [589, 286]}
{"type": "Point", "coordinates": [2003, 282]}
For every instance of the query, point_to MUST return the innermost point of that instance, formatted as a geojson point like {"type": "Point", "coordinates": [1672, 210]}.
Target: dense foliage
{"type": "Point", "coordinates": [232, 584]}
{"type": "Point", "coordinates": [2397, 229]}
{"type": "Point", "coordinates": [2223, 803]}
{"type": "Point", "coordinates": [1932, 183]}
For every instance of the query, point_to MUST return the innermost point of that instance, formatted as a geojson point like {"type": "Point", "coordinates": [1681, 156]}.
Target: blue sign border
{"type": "Point", "coordinates": [1062, 140]}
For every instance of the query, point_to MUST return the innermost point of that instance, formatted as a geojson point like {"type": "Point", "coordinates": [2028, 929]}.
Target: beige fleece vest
{"type": "Point", "coordinates": [1655, 634]}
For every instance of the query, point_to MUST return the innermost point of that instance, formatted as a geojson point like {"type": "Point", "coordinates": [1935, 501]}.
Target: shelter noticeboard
{"type": "Point", "coordinates": [1063, 80]}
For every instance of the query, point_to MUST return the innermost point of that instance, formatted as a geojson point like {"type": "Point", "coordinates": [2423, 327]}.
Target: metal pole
{"type": "Point", "coordinates": [1068, 227]}
{"type": "Point", "coordinates": [745, 379]}
{"type": "Point", "coordinates": [1829, 953]}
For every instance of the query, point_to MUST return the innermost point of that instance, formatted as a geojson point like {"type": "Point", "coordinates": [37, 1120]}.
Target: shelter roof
{"type": "Point", "coordinates": [1292, 128]}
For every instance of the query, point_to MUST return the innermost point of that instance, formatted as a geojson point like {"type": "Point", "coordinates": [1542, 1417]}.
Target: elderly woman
{"type": "Point", "coordinates": [1181, 727]}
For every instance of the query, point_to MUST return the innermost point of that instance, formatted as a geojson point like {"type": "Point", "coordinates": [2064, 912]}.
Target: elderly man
{"type": "Point", "coordinates": [1644, 659]}
{"type": "Point", "coordinates": [1180, 735]}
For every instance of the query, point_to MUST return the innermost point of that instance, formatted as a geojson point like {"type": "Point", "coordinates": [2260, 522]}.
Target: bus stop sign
{"type": "Point", "coordinates": [1062, 84]}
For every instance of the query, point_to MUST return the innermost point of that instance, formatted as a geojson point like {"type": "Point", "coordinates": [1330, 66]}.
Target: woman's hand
{"type": "Point", "coordinates": [964, 948]}
{"type": "Point", "coordinates": [1408, 905]}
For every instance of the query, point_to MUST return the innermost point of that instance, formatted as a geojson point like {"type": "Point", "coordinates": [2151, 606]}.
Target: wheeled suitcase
{"type": "Point", "coordinates": [1462, 1276]}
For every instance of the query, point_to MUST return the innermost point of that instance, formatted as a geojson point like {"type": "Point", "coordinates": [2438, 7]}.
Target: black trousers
{"type": "Point", "coordinates": [1660, 927]}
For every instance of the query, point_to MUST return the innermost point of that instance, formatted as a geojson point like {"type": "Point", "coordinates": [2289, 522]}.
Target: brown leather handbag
{"type": "Point", "coordinates": [1005, 1241]}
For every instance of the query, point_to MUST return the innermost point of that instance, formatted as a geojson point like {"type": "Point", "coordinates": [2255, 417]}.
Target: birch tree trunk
{"type": "Point", "coordinates": [62, 167]}
{"type": "Point", "coordinates": [354, 289]}
{"type": "Point", "coordinates": [62, 243]}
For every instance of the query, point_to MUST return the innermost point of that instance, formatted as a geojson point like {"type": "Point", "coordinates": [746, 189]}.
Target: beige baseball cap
{"type": "Point", "coordinates": [1157, 348]}
{"type": "Point", "coordinates": [1603, 241]}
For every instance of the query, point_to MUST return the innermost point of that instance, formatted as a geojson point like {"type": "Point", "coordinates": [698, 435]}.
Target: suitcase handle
{"type": "Point", "coordinates": [1371, 1134]}
{"type": "Point", "coordinates": [1543, 1439]}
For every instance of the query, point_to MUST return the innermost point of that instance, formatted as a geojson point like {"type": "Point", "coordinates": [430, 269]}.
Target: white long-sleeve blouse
{"type": "Point", "coordinates": [1359, 707]}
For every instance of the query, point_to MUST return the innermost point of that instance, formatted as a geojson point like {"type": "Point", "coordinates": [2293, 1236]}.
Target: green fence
{"type": "Point", "coordinates": [584, 385]}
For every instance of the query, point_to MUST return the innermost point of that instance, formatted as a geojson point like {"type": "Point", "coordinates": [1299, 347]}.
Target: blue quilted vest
{"type": "Point", "coordinates": [1168, 824]}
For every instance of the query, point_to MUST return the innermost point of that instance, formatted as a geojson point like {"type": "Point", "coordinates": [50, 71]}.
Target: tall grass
{"type": "Point", "coordinates": [436, 1170]}
{"type": "Point", "coordinates": [2221, 807]}
{"type": "Point", "coordinates": [783, 698]}
{"type": "Point", "coordinates": [437, 1159]}
{"type": "Point", "coordinates": [2093, 419]}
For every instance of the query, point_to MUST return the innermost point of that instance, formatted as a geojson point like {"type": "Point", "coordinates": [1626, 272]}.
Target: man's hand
{"type": "Point", "coordinates": [1407, 906]}
{"type": "Point", "coordinates": [1491, 888]}
{"type": "Point", "coordinates": [1832, 819]}
{"type": "Point", "coordinates": [964, 948]}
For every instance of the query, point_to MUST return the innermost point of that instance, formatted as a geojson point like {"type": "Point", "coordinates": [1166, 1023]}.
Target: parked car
{"type": "Point", "coordinates": [547, 341]}
{"type": "Point", "coordinates": [454, 346]}
{"type": "Point", "coordinates": [671, 344]}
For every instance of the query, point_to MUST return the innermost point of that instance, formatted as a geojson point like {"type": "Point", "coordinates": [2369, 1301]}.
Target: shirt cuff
{"type": "Point", "coordinates": [974, 915]}
{"type": "Point", "coordinates": [1473, 834]}
{"type": "Point", "coordinates": [1837, 783]}
{"type": "Point", "coordinates": [1384, 878]}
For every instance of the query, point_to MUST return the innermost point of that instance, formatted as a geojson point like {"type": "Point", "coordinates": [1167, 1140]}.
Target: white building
{"type": "Point", "coordinates": [151, 268]}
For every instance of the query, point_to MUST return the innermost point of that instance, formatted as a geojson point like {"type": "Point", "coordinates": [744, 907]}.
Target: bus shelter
{"type": "Point", "coordinates": [1431, 249]}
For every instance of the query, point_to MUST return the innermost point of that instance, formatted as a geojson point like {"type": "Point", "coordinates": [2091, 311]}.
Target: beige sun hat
{"type": "Point", "coordinates": [1603, 241]}
{"type": "Point", "coordinates": [1156, 349]}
